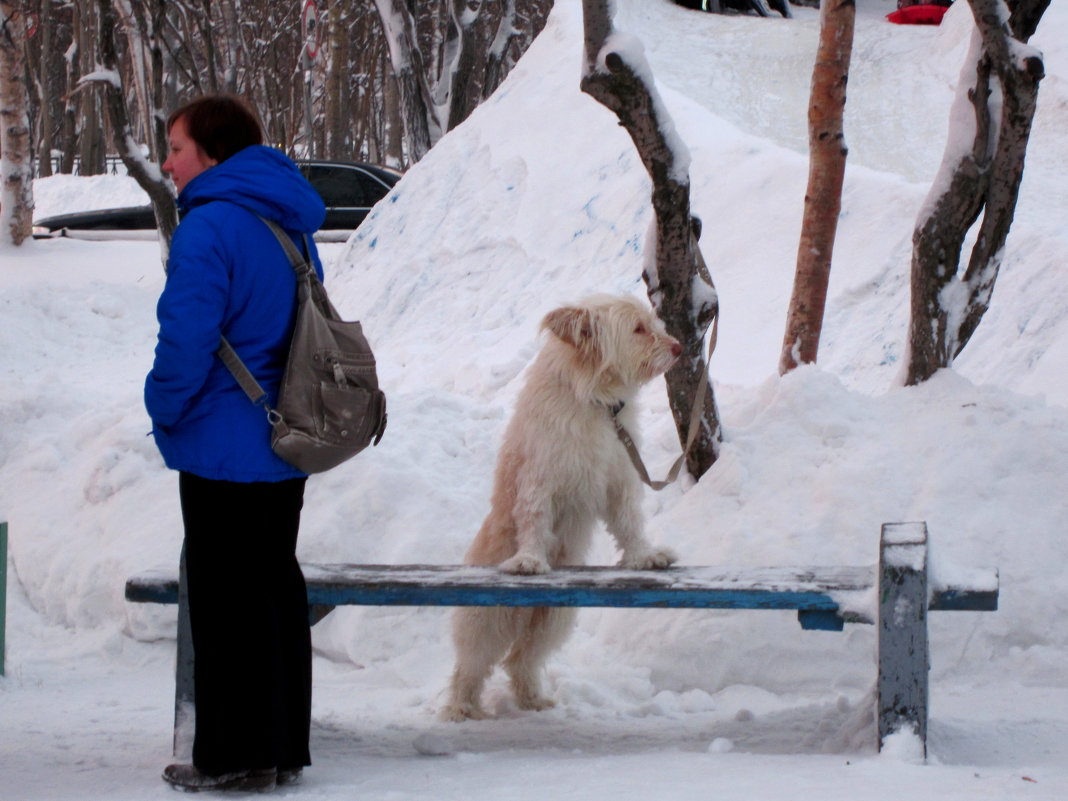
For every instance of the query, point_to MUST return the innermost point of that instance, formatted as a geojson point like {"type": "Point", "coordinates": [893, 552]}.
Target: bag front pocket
{"type": "Point", "coordinates": [347, 415]}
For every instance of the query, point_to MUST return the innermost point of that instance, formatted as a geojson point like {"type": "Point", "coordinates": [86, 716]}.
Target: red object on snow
{"type": "Point", "coordinates": [918, 15]}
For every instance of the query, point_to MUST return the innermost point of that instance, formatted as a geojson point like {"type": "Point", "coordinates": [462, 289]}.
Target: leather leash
{"type": "Point", "coordinates": [695, 413]}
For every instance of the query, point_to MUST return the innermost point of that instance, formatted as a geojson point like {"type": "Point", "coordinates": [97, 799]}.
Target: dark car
{"type": "Point", "coordinates": [349, 190]}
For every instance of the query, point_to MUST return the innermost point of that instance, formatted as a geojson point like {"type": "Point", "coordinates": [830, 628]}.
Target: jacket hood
{"type": "Point", "coordinates": [264, 181]}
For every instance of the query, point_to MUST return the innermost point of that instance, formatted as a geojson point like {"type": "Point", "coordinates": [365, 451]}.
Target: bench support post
{"type": "Point", "coordinates": [904, 663]}
{"type": "Point", "coordinates": [184, 708]}
{"type": "Point", "coordinates": [3, 594]}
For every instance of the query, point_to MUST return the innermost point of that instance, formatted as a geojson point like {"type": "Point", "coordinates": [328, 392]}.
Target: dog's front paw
{"type": "Point", "coordinates": [655, 559]}
{"type": "Point", "coordinates": [524, 564]}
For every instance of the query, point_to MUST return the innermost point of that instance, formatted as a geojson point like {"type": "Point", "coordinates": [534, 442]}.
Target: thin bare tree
{"type": "Point", "coordinates": [980, 174]}
{"type": "Point", "coordinates": [619, 78]}
{"type": "Point", "coordinates": [139, 165]}
{"type": "Point", "coordinates": [16, 162]}
{"type": "Point", "coordinates": [421, 128]}
{"type": "Point", "coordinates": [823, 197]}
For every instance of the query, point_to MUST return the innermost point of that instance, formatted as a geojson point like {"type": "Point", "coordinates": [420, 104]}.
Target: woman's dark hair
{"type": "Point", "coordinates": [220, 124]}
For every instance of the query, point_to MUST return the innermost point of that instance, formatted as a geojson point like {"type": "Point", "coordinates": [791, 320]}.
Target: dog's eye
{"type": "Point", "coordinates": [640, 329]}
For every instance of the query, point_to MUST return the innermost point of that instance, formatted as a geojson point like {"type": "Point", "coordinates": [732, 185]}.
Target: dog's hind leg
{"type": "Point", "coordinates": [546, 631]}
{"type": "Point", "coordinates": [481, 636]}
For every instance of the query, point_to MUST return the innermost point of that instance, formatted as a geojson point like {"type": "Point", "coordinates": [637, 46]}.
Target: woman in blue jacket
{"type": "Point", "coordinates": [228, 276]}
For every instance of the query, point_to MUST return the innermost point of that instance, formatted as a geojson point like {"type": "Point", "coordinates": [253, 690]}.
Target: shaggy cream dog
{"type": "Point", "coordinates": [561, 468]}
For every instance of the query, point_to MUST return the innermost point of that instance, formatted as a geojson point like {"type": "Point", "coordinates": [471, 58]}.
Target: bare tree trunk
{"type": "Point", "coordinates": [498, 50]}
{"type": "Point", "coordinates": [46, 119]}
{"type": "Point", "coordinates": [207, 36]}
{"type": "Point", "coordinates": [336, 86]}
{"type": "Point", "coordinates": [460, 60]}
{"type": "Point", "coordinates": [229, 30]}
{"type": "Point", "coordinates": [92, 147]}
{"type": "Point", "coordinates": [421, 129]}
{"type": "Point", "coordinates": [520, 22]}
{"type": "Point", "coordinates": [16, 163]}
{"type": "Point", "coordinates": [823, 198]}
{"type": "Point", "coordinates": [391, 147]}
{"type": "Point", "coordinates": [685, 304]}
{"type": "Point", "coordinates": [999, 71]}
{"type": "Point", "coordinates": [147, 175]}
{"type": "Point", "coordinates": [143, 23]}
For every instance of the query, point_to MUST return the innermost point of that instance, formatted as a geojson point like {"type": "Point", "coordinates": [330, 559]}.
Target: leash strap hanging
{"type": "Point", "coordinates": [695, 413]}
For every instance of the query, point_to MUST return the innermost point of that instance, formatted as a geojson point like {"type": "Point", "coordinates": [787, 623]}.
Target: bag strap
{"type": "Point", "coordinates": [301, 262]}
{"type": "Point", "coordinates": [695, 413]}
{"type": "Point", "coordinates": [302, 267]}
{"type": "Point", "coordinates": [240, 372]}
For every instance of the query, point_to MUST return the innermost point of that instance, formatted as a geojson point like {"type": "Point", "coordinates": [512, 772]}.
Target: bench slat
{"type": "Point", "coordinates": [687, 588]}
{"type": "Point", "coordinates": [806, 589]}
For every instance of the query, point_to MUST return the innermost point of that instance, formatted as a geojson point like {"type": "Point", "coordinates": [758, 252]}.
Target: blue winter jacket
{"type": "Point", "coordinates": [228, 274]}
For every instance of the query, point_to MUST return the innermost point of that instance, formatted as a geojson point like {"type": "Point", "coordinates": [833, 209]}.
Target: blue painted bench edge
{"type": "Point", "coordinates": [810, 591]}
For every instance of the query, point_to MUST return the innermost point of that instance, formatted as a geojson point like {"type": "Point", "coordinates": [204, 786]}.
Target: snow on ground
{"type": "Point", "coordinates": [539, 199]}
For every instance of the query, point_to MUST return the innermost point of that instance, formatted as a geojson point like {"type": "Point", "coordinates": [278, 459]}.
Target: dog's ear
{"type": "Point", "coordinates": [573, 325]}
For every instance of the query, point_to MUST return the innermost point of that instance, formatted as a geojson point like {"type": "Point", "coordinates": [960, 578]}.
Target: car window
{"type": "Point", "coordinates": [344, 186]}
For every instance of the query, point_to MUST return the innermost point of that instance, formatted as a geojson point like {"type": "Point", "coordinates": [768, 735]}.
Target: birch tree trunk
{"type": "Point", "coordinates": [143, 23]}
{"type": "Point", "coordinates": [16, 161]}
{"type": "Point", "coordinates": [421, 129]}
{"type": "Point", "coordinates": [498, 50]}
{"type": "Point", "coordinates": [686, 304]}
{"type": "Point", "coordinates": [145, 172]}
{"type": "Point", "coordinates": [981, 169]}
{"type": "Point", "coordinates": [823, 198]}
{"type": "Point", "coordinates": [518, 25]}
{"type": "Point", "coordinates": [459, 60]}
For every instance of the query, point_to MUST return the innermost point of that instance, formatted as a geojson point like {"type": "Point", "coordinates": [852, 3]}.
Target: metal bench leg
{"type": "Point", "coordinates": [184, 708]}
{"type": "Point", "coordinates": [3, 594]}
{"type": "Point", "coordinates": [904, 663]}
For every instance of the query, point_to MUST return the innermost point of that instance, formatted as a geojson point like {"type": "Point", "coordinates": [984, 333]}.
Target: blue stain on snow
{"type": "Point", "coordinates": [889, 356]}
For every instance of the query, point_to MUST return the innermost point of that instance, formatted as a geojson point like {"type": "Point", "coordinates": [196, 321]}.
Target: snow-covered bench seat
{"type": "Point", "coordinates": [895, 595]}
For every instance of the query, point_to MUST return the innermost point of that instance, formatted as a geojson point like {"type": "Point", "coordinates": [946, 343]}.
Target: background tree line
{"type": "Point", "coordinates": [379, 62]}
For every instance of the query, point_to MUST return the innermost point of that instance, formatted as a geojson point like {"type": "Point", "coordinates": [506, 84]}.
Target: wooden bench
{"type": "Point", "coordinates": [825, 599]}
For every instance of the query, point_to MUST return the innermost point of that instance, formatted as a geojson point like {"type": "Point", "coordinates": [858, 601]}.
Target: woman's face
{"type": "Point", "coordinates": [186, 159]}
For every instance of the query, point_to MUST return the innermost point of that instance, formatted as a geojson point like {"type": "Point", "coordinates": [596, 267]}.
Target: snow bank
{"type": "Point", "coordinates": [538, 199]}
